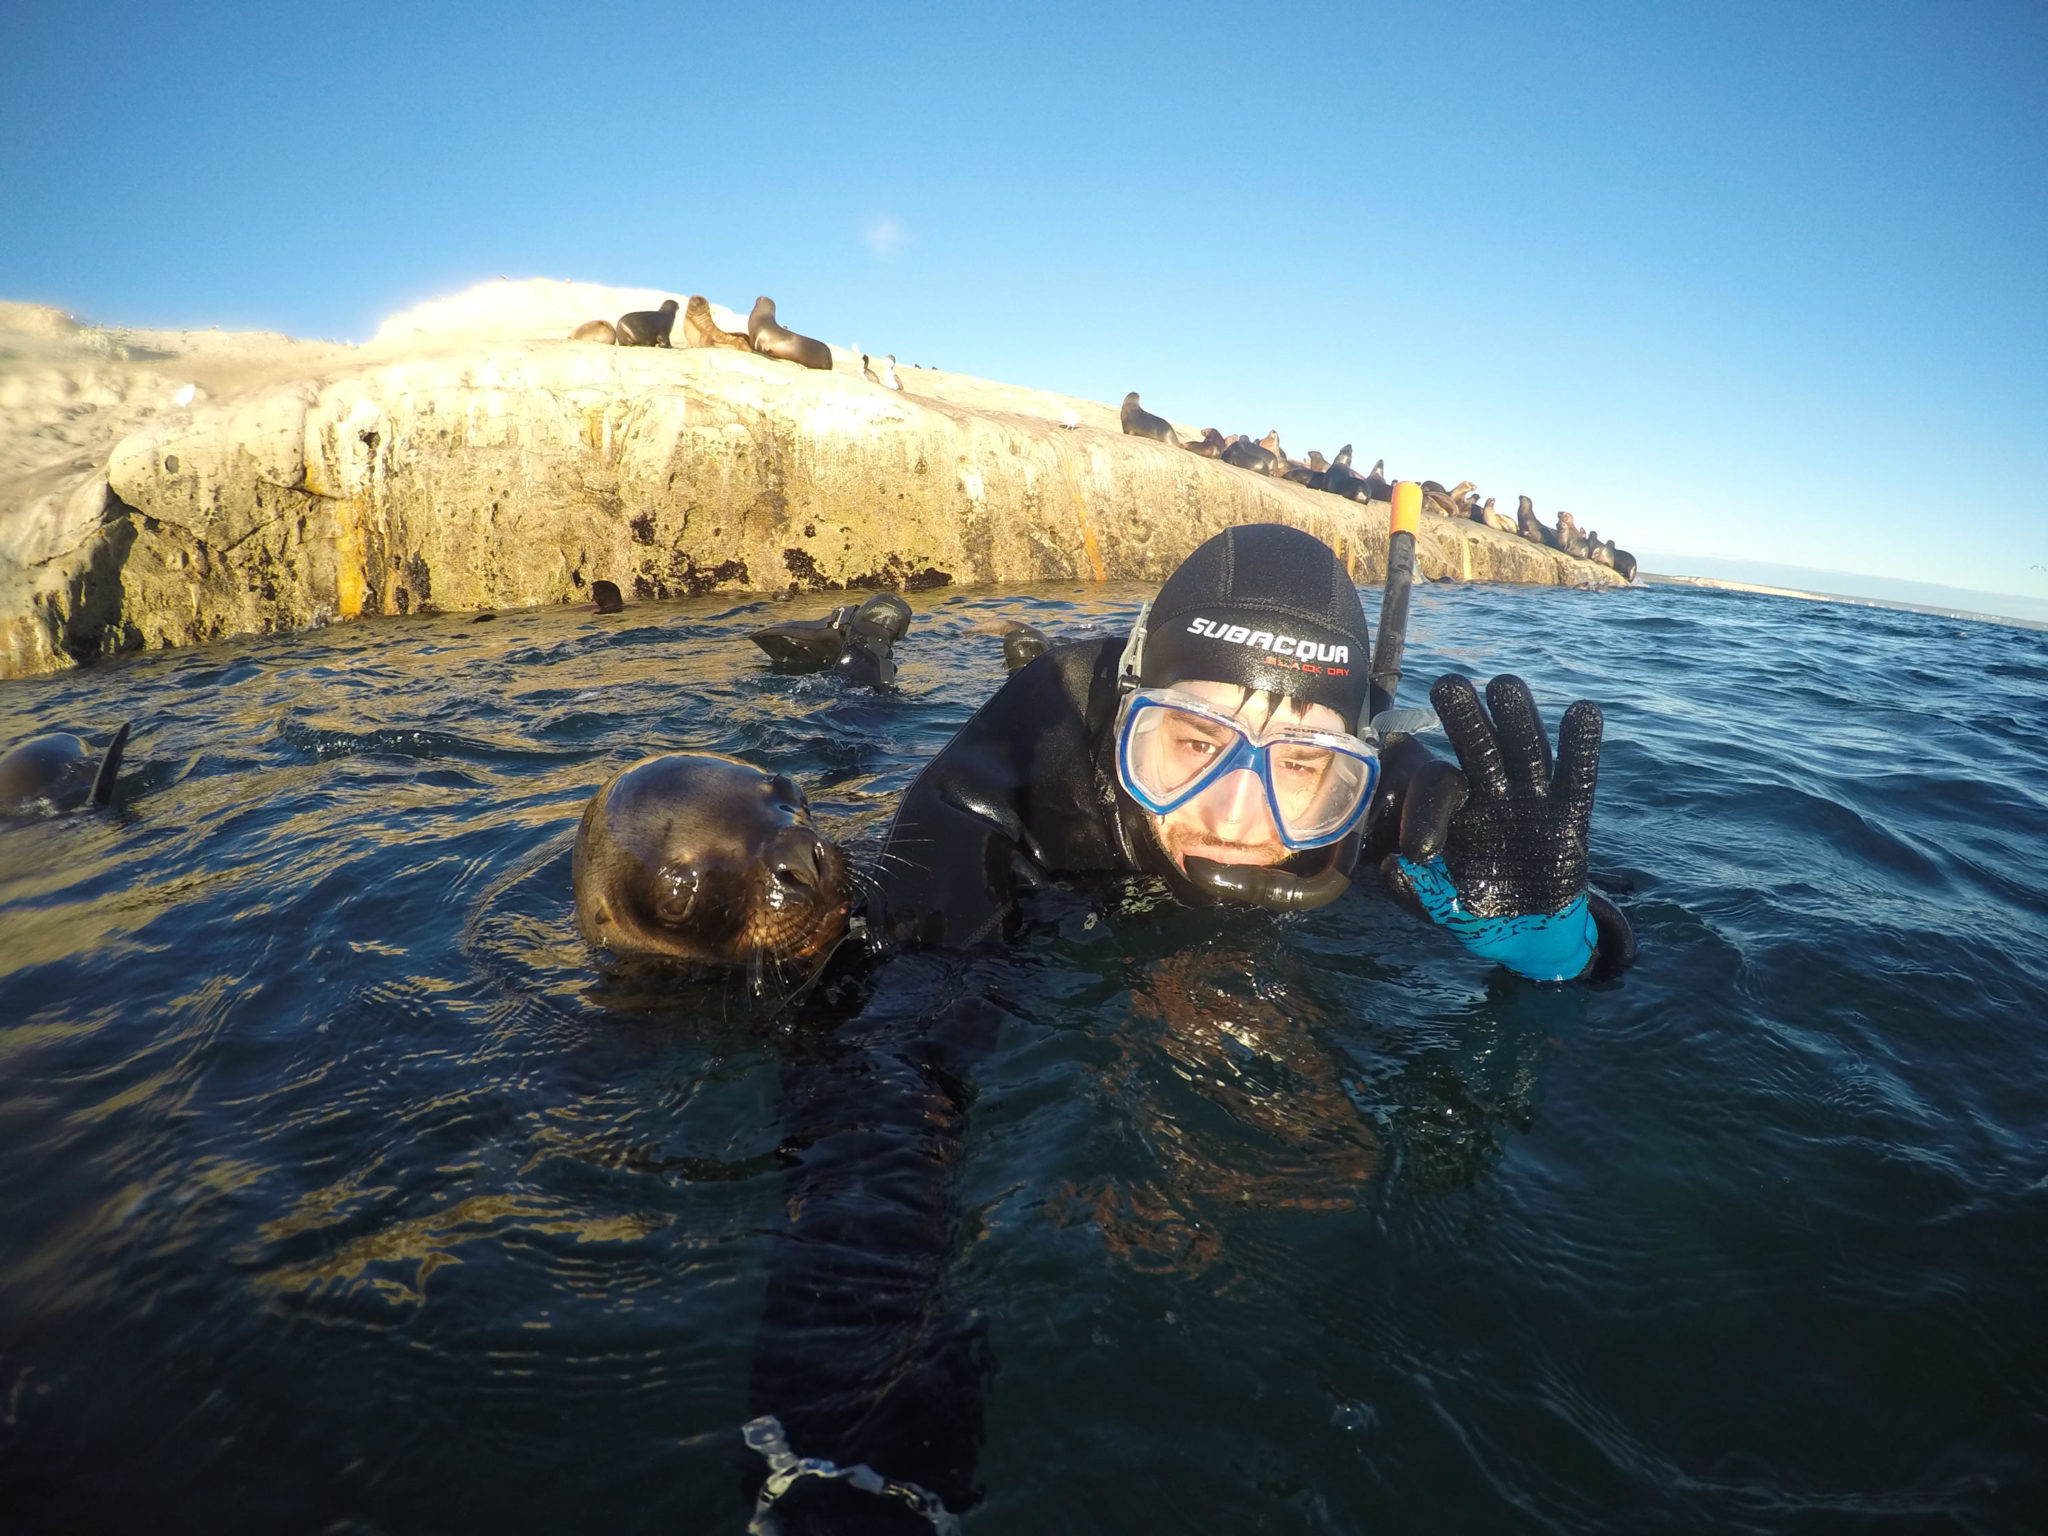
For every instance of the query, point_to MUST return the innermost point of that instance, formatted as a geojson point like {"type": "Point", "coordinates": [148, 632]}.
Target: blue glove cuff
{"type": "Point", "coordinates": [1553, 946]}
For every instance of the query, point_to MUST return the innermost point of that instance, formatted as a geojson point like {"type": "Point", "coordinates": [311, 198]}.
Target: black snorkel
{"type": "Point", "coordinates": [1275, 887]}
{"type": "Point", "coordinates": [1393, 637]}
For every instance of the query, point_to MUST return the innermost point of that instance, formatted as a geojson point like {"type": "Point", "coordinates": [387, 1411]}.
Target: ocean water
{"type": "Point", "coordinates": [341, 1191]}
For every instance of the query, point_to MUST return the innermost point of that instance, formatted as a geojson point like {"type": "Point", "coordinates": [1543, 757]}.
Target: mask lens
{"type": "Point", "coordinates": [1315, 781]}
{"type": "Point", "coordinates": [1169, 752]}
{"type": "Point", "coordinates": [1316, 788]}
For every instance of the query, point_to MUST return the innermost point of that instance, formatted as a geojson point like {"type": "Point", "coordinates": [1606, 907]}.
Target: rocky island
{"type": "Point", "coordinates": [166, 488]}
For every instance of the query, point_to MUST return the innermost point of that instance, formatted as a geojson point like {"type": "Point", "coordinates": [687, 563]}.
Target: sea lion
{"type": "Point", "coordinates": [1438, 503]}
{"type": "Point", "coordinates": [867, 370]}
{"type": "Point", "coordinates": [701, 330]}
{"type": "Point", "coordinates": [1624, 562]}
{"type": "Point", "coordinates": [889, 379]}
{"type": "Point", "coordinates": [1246, 454]}
{"type": "Point", "coordinates": [1209, 445]}
{"type": "Point", "coordinates": [1139, 422]}
{"type": "Point", "coordinates": [606, 595]}
{"type": "Point", "coordinates": [595, 330]}
{"type": "Point", "coordinates": [1494, 519]}
{"type": "Point", "coordinates": [1271, 443]}
{"type": "Point", "coordinates": [771, 339]}
{"type": "Point", "coordinates": [1528, 524]}
{"type": "Point", "coordinates": [1317, 462]}
{"type": "Point", "coordinates": [1340, 479]}
{"type": "Point", "coordinates": [1377, 486]}
{"type": "Point", "coordinates": [647, 327]}
{"type": "Point", "coordinates": [1600, 554]}
{"type": "Point", "coordinates": [1022, 646]}
{"type": "Point", "coordinates": [1569, 539]}
{"type": "Point", "coordinates": [58, 772]}
{"type": "Point", "coordinates": [702, 858]}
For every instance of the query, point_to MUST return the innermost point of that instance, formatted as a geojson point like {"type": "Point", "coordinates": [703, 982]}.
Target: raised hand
{"type": "Point", "coordinates": [1496, 853]}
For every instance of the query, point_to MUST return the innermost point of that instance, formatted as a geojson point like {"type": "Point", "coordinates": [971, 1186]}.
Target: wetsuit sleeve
{"type": "Point", "coordinates": [1011, 800]}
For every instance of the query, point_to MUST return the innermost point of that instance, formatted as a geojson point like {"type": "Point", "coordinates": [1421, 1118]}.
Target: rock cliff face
{"type": "Point", "coordinates": [485, 467]}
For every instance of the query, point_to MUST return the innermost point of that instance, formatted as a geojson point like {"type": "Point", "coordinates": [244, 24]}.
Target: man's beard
{"type": "Point", "coordinates": [1181, 842]}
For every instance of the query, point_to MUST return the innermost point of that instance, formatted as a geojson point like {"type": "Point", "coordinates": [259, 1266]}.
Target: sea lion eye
{"type": "Point", "coordinates": [675, 894]}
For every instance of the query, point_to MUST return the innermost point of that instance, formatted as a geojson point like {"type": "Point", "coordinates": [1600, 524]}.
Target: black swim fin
{"type": "Point", "coordinates": [854, 642]}
{"type": "Point", "coordinates": [110, 766]}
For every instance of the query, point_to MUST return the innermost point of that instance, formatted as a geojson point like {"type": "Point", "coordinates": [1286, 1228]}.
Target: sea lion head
{"type": "Point", "coordinates": [705, 859]}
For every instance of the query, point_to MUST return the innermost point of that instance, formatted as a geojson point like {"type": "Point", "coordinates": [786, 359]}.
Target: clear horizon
{"type": "Point", "coordinates": [1725, 282]}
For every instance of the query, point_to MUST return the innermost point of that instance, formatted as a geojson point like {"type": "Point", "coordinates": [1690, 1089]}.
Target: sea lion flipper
{"type": "Point", "coordinates": [110, 766]}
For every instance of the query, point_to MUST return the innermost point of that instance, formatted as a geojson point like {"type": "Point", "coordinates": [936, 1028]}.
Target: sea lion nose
{"type": "Point", "coordinates": [795, 861]}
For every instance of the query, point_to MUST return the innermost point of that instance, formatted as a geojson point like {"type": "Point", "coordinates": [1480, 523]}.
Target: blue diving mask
{"type": "Point", "coordinates": [1172, 746]}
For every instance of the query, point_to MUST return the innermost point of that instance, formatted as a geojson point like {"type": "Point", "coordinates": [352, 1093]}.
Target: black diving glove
{"type": "Point", "coordinates": [1496, 854]}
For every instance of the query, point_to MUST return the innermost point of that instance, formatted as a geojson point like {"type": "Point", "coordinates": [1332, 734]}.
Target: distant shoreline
{"type": "Point", "coordinates": [2008, 620]}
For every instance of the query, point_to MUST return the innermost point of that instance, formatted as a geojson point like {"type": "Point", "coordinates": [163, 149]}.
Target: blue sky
{"type": "Point", "coordinates": [1722, 279]}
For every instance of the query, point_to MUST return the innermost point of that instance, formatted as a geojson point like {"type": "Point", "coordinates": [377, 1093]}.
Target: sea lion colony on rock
{"type": "Point", "coordinates": [652, 327]}
{"type": "Point", "coordinates": [769, 338]}
{"type": "Point", "coordinates": [1337, 477]}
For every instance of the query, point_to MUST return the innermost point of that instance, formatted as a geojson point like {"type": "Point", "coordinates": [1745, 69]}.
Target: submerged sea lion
{"type": "Point", "coordinates": [647, 327]}
{"type": "Point", "coordinates": [771, 339]}
{"type": "Point", "coordinates": [1139, 422]}
{"type": "Point", "coordinates": [595, 330]}
{"type": "Point", "coordinates": [701, 330]}
{"type": "Point", "coordinates": [697, 857]}
{"type": "Point", "coordinates": [606, 595]}
{"type": "Point", "coordinates": [58, 772]}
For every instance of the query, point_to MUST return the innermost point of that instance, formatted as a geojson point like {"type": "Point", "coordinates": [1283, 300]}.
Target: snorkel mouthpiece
{"type": "Point", "coordinates": [1261, 885]}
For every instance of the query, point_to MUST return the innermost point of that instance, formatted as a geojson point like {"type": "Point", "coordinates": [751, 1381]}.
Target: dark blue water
{"type": "Point", "coordinates": [338, 1191]}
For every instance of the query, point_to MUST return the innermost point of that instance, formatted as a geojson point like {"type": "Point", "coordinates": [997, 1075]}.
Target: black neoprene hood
{"type": "Point", "coordinates": [1267, 607]}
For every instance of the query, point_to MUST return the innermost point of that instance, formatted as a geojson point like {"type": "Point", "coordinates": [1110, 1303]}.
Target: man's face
{"type": "Point", "coordinates": [1229, 822]}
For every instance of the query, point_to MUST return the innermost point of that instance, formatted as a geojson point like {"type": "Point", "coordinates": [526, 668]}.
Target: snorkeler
{"type": "Point", "coordinates": [1222, 750]}
{"type": "Point", "coordinates": [1227, 748]}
